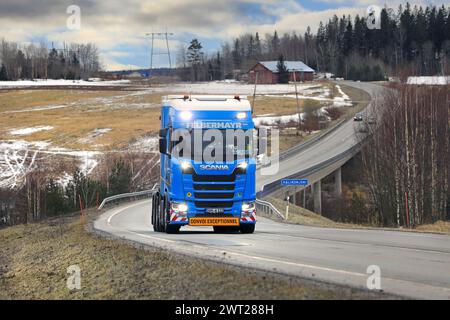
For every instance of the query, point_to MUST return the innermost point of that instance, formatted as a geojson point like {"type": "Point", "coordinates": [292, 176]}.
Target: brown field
{"type": "Point", "coordinates": [75, 114]}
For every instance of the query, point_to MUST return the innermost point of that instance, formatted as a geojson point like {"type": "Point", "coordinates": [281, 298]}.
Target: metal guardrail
{"type": "Point", "coordinates": [267, 207]}
{"type": "Point", "coordinates": [127, 195]}
{"type": "Point", "coordinates": [305, 145]}
{"type": "Point", "coordinates": [271, 187]}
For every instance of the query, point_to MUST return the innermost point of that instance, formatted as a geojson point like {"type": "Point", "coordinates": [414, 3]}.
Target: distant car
{"type": "Point", "coordinates": [359, 117]}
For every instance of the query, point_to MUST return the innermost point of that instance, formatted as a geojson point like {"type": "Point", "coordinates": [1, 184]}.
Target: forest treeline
{"type": "Point", "coordinates": [73, 61]}
{"type": "Point", "coordinates": [412, 40]}
{"type": "Point", "coordinates": [406, 156]}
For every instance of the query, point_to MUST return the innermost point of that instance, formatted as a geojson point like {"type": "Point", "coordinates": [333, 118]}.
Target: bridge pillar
{"type": "Point", "coordinates": [338, 181]}
{"type": "Point", "coordinates": [317, 191]}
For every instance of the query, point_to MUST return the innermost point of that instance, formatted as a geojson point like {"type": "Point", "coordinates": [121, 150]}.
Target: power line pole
{"type": "Point", "coordinates": [162, 35]}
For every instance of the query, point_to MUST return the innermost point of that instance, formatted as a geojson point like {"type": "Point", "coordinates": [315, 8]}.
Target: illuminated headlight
{"type": "Point", "coordinates": [179, 207]}
{"type": "Point", "coordinates": [241, 115]}
{"type": "Point", "coordinates": [242, 168]}
{"type": "Point", "coordinates": [186, 115]}
{"type": "Point", "coordinates": [187, 168]}
{"type": "Point", "coordinates": [248, 207]}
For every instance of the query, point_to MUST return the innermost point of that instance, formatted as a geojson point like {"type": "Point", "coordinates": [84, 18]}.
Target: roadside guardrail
{"type": "Point", "coordinates": [134, 195]}
{"type": "Point", "coordinates": [269, 208]}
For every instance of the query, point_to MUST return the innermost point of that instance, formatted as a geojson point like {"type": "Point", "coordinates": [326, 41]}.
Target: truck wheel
{"type": "Point", "coordinates": [247, 228]}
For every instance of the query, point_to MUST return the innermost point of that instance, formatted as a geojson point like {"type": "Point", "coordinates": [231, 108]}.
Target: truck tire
{"type": "Point", "coordinates": [157, 221]}
{"type": "Point", "coordinates": [247, 228]}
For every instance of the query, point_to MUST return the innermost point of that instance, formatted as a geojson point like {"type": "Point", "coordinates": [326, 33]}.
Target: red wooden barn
{"type": "Point", "coordinates": [267, 72]}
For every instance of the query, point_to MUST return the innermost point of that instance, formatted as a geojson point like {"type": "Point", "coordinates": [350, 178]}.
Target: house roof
{"type": "Point", "coordinates": [291, 66]}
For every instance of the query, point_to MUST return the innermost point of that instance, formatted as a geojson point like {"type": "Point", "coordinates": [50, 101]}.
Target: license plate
{"type": "Point", "coordinates": [215, 211]}
{"type": "Point", "coordinates": [214, 222]}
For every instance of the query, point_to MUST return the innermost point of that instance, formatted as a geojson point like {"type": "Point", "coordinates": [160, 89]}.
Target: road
{"type": "Point", "coordinates": [412, 264]}
{"type": "Point", "coordinates": [341, 140]}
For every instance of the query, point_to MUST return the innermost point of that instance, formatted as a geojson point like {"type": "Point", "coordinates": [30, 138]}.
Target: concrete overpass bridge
{"type": "Point", "coordinates": [318, 158]}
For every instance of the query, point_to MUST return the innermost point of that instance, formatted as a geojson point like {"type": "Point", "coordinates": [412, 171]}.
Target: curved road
{"type": "Point", "coordinates": [412, 264]}
{"type": "Point", "coordinates": [339, 141]}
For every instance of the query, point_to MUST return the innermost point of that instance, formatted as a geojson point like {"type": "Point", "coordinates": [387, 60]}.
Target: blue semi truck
{"type": "Point", "coordinates": [208, 165]}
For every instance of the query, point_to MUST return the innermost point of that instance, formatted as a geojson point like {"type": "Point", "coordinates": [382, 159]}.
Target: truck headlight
{"type": "Point", "coordinates": [242, 168]}
{"type": "Point", "coordinates": [248, 206]}
{"type": "Point", "coordinates": [241, 116]}
{"type": "Point", "coordinates": [186, 115]}
{"type": "Point", "coordinates": [187, 168]}
{"type": "Point", "coordinates": [179, 207]}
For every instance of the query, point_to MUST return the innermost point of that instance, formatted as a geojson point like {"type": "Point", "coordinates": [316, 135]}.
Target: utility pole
{"type": "Point", "coordinates": [159, 35]}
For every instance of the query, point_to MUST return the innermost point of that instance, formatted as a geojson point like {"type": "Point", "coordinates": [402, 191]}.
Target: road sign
{"type": "Point", "coordinates": [294, 182]}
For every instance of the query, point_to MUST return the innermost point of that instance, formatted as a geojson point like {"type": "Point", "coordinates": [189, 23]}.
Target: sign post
{"type": "Point", "coordinates": [293, 183]}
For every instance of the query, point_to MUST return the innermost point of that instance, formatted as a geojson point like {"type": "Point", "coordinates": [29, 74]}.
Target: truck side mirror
{"type": "Point", "coordinates": [163, 145]}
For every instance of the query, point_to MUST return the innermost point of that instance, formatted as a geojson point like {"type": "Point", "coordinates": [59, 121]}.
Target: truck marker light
{"type": "Point", "coordinates": [242, 168]}
{"type": "Point", "coordinates": [186, 167]}
{"type": "Point", "coordinates": [189, 194]}
{"type": "Point", "coordinates": [186, 115]}
{"type": "Point", "coordinates": [241, 116]}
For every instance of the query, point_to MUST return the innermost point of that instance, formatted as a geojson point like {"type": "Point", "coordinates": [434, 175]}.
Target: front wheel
{"type": "Point", "coordinates": [247, 228]}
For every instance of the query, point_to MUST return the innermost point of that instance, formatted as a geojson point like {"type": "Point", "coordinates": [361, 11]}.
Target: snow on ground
{"type": "Point", "coordinates": [441, 80]}
{"type": "Point", "coordinates": [275, 120]}
{"type": "Point", "coordinates": [94, 134]}
{"type": "Point", "coordinates": [145, 144]}
{"type": "Point", "coordinates": [324, 96]}
{"type": "Point", "coordinates": [233, 88]}
{"type": "Point", "coordinates": [61, 82]}
{"type": "Point", "coordinates": [18, 158]}
{"type": "Point", "coordinates": [28, 131]}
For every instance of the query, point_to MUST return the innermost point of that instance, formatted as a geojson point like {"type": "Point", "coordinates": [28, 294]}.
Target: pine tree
{"type": "Point", "coordinates": [3, 73]}
{"type": "Point", "coordinates": [283, 73]}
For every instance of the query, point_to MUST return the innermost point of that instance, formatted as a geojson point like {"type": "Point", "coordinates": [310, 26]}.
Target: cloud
{"type": "Point", "coordinates": [117, 24]}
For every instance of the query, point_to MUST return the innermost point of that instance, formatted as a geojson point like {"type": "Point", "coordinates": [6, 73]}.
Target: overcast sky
{"type": "Point", "coordinates": [118, 27]}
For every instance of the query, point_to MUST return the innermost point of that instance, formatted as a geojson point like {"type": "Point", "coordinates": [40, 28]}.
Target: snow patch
{"type": "Point", "coordinates": [60, 82]}
{"type": "Point", "coordinates": [438, 80]}
{"type": "Point", "coordinates": [28, 131]}
{"type": "Point", "coordinates": [95, 134]}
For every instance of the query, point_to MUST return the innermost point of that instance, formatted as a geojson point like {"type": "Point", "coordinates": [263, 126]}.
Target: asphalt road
{"type": "Point", "coordinates": [411, 264]}
{"type": "Point", "coordinates": [341, 140]}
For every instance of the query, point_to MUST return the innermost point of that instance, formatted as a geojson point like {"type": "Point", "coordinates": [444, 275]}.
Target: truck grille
{"type": "Point", "coordinates": [214, 187]}
{"type": "Point", "coordinates": [199, 195]}
{"type": "Point", "coordinates": [213, 204]}
{"type": "Point", "coordinates": [214, 178]}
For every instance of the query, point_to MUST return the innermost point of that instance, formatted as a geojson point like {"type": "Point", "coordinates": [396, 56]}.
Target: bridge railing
{"type": "Point", "coordinates": [268, 208]}
{"type": "Point", "coordinates": [131, 195]}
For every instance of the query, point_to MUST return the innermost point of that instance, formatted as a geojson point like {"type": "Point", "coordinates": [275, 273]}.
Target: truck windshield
{"type": "Point", "coordinates": [222, 145]}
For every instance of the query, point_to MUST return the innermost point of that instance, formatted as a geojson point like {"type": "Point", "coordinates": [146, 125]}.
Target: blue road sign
{"type": "Point", "coordinates": [294, 182]}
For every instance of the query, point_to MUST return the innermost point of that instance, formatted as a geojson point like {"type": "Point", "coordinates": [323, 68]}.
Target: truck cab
{"type": "Point", "coordinates": [208, 165]}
